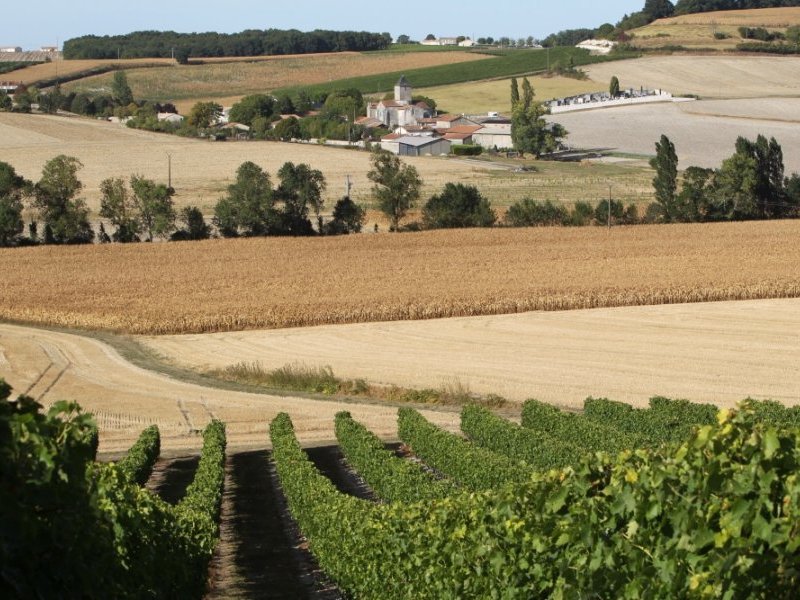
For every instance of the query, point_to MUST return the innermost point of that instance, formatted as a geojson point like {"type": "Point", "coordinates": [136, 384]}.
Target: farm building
{"type": "Point", "coordinates": [10, 49]}
{"type": "Point", "coordinates": [448, 121]}
{"type": "Point", "coordinates": [422, 146]}
{"type": "Point", "coordinates": [493, 137]}
{"type": "Point", "coordinates": [400, 111]}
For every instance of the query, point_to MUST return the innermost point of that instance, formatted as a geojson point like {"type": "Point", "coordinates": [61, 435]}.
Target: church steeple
{"type": "Point", "coordinates": [403, 90]}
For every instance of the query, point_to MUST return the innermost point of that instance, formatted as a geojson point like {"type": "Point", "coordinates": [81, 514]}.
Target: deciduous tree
{"type": "Point", "coordinates": [247, 209]}
{"type": "Point", "coordinates": [66, 217]}
{"type": "Point", "coordinates": [120, 89]}
{"type": "Point", "coordinates": [300, 190]}
{"type": "Point", "coordinates": [204, 114]}
{"type": "Point", "coordinates": [155, 205]}
{"type": "Point", "coordinates": [120, 208]}
{"type": "Point", "coordinates": [397, 186]}
{"type": "Point", "coordinates": [458, 206]}
{"type": "Point", "coordinates": [12, 188]}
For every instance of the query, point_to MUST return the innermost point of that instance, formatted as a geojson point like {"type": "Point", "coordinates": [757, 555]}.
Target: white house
{"type": "Point", "coordinates": [467, 43]}
{"type": "Point", "coordinates": [10, 49]}
{"type": "Point", "coordinates": [400, 111]}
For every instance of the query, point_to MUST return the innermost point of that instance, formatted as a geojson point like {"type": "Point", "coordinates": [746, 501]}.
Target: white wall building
{"type": "Point", "coordinates": [400, 111]}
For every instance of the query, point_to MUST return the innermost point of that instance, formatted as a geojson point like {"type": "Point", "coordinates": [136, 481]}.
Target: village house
{"type": "Point", "coordinates": [10, 49]}
{"type": "Point", "coordinates": [400, 111]}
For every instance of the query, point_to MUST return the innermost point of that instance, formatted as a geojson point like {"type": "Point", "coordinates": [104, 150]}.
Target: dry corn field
{"type": "Point", "coordinates": [216, 80]}
{"type": "Point", "coordinates": [223, 285]}
{"type": "Point", "coordinates": [201, 170]}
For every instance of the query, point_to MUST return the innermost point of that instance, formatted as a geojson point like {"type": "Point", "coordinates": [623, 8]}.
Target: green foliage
{"type": "Point", "coordinates": [397, 185]}
{"type": "Point", "coordinates": [205, 114]}
{"type": "Point", "coordinates": [67, 523]}
{"type": "Point", "coordinates": [138, 463]}
{"type": "Point", "coordinates": [393, 479]}
{"type": "Point", "coordinates": [576, 429]}
{"type": "Point", "coordinates": [537, 448]}
{"type": "Point", "coordinates": [348, 217]}
{"type": "Point", "coordinates": [300, 189]}
{"type": "Point", "coordinates": [458, 206]}
{"type": "Point", "coordinates": [473, 467]}
{"type": "Point", "coordinates": [506, 63]}
{"type": "Point", "coordinates": [530, 132]}
{"type": "Point", "coordinates": [613, 87]}
{"type": "Point", "coordinates": [194, 225]}
{"type": "Point", "coordinates": [716, 517]}
{"type": "Point", "coordinates": [667, 421]}
{"type": "Point", "coordinates": [66, 216]}
{"type": "Point", "coordinates": [156, 210]}
{"type": "Point", "coordinates": [12, 189]}
{"type": "Point", "coordinates": [253, 42]}
{"type": "Point", "coordinates": [665, 183]}
{"type": "Point", "coordinates": [514, 92]}
{"type": "Point", "coordinates": [529, 213]}
{"type": "Point", "coordinates": [120, 89]}
{"type": "Point", "coordinates": [251, 107]}
{"type": "Point", "coordinates": [119, 207]}
{"type": "Point", "coordinates": [287, 129]}
{"type": "Point", "coordinates": [247, 209]}
{"type": "Point", "coordinates": [466, 150]}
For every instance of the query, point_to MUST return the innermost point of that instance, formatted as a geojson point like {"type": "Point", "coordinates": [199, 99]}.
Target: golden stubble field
{"type": "Point", "coordinates": [718, 352]}
{"type": "Point", "coordinates": [226, 285]}
{"type": "Point", "coordinates": [697, 30]}
{"type": "Point", "coordinates": [202, 170]}
{"type": "Point", "coordinates": [708, 76]}
{"type": "Point", "coordinates": [227, 81]}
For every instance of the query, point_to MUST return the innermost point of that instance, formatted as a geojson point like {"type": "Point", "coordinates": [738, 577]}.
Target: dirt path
{"type": "Point", "coordinates": [125, 398]}
{"type": "Point", "coordinates": [330, 461]}
{"type": "Point", "coordinates": [255, 557]}
{"type": "Point", "coordinates": [171, 477]}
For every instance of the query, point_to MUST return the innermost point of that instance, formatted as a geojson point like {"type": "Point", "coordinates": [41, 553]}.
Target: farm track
{"type": "Point", "coordinates": [260, 553]}
{"type": "Point", "coordinates": [171, 477]}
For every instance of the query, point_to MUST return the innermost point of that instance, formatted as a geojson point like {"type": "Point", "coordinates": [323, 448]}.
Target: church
{"type": "Point", "coordinates": [402, 110]}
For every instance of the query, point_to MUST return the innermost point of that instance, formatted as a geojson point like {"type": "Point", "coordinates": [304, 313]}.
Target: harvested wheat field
{"type": "Point", "coordinates": [712, 352]}
{"type": "Point", "coordinates": [214, 80]}
{"type": "Point", "coordinates": [202, 170]}
{"type": "Point", "coordinates": [707, 76]}
{"type": "Point", "coordinates": [697, 30]}
{"type": "Point", "coordinates": [52, 366]}
{"type": "Point", "coordinates": [704, 133]}
{"type": "Point", "coordinates": [64, 68]}
{"type": "Point", "coordinates": [224, 285]}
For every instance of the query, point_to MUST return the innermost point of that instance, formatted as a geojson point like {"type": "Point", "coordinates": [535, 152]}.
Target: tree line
{"type": "Point", "coordinates": [750, 184]}
{"type": "Point", "coordinates": [253, 42]}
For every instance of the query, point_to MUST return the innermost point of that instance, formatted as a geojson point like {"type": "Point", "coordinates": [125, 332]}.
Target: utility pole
{"type": "Point", "coordinates": [169, 170]}
{"type": "Point", "coordinates": [347, 186]}
{"type": "Point", "coordinates": [609, 208]}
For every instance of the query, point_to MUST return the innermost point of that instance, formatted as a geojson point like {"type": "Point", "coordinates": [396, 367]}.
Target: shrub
{"type": "Point", "coordinates": [458, 206]}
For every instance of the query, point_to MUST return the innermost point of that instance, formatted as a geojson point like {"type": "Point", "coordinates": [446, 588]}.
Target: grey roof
{"type": "Point", "coordinates": [403, 82]}
{"type": "Point", "coordinates": [418, 141]}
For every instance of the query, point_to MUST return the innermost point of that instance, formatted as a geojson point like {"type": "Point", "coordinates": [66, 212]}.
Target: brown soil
{"type": "Point", "coordinates": [260, 554]}
{"type": "Point", "coordinates": [171, 477]}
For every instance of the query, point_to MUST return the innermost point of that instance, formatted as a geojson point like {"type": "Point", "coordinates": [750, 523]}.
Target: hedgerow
{"type": "Point", "coordinates": [392, 478]}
